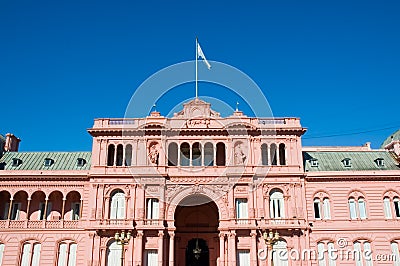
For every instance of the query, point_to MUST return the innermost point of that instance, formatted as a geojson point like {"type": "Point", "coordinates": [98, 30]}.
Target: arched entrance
{"type": "Point", "coordinates": [196, 235]}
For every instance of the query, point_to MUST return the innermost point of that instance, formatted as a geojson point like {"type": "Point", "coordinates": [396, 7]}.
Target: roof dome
{"type": "Point", "coordinates": [394, 136]}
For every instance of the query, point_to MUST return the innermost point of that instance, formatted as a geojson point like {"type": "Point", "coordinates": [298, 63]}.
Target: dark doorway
{"type": "Point", "coordinates": [197, 253]}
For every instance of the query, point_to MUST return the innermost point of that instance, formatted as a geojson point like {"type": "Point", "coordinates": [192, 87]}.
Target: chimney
{"type": "Point", "coordinates": [12, 142]}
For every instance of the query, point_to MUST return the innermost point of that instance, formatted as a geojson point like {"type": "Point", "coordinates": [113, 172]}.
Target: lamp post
{"type": "Point", "coordinates": [270, 239]}
{"type": "Point", "coordinates": [122, 240]}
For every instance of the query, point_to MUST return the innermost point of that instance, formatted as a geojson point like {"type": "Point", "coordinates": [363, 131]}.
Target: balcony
{"type": "Point", "coordinates": [281, 223]}
{"type": "Point", "coordinates": [40, 224]}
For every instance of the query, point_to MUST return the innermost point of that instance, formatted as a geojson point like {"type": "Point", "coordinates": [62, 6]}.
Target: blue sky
{"type": "Point", "coordinates": [334, 64]}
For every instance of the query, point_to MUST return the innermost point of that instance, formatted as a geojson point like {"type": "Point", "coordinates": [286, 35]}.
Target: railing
{"type": "Point", "coordinates": [242, 221]}
{"type": "Point", "coordinates": [152, 222]}
{"type": "Point", "coordinates": [39, 224]}
{"type": "Point", "coordinates": [117, 222]}
{"type": "Point", "coordinates": [281, 222]}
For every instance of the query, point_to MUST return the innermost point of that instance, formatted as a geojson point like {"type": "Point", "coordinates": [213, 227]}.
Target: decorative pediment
{"type": "Point", "coordinates": [196, 108]}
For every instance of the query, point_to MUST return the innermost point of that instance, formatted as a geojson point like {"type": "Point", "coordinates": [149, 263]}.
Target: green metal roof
{"type": "Point", "coordinates": [394, 136]}
{"type": "Point", "coordinates": [360, 161]}
{"type": "Point", "coordinates": [35, 160]}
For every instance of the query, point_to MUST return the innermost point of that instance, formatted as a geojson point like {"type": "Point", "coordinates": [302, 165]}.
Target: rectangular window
{"type": "Point", "coordinates": [75, 210]}
{"type": "Point", "coordinates": [243, 258]}
{"type": "Point", "coordinates": [16, 208]}
{"type": "Point", "coordinates": [152, 209]}
{"type": "Point", "coordinates": [242, 211]}
{"type": "Point", "coordinates": [151, 257]}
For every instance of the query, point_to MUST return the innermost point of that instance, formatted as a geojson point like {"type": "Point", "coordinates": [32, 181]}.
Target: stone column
{"type": "Point", "coordinates": [63, 209]}
{"type": "Point", "coordinates": [106, 208]}
{"type": "Point", "coordinates": [27, 208]}
{"type": "Point", "coordinates": [232, 248]}
{"type": "Point", "coordinates": [253, 250]}
{"type": "Point", "coordinates": [139, 247]}
{"type": "Point", "coordinates": [171, 248]}
{"type": "Point", "coordinates": [45, 208]}
{"type": "Point", "coordinates": [160, 247]}
{"type": "Point", "coordinates": [222, 249]}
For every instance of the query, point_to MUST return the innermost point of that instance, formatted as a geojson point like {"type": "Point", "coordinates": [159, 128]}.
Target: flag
{"type": "Point", "coordinates": [201, 55]}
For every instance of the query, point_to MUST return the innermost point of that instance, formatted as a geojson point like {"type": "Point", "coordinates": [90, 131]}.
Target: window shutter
{"type": "Point", "coordinates": [331, 260]}
{"type": "Point", "coordinates": [396, 253]}
{"type": "Point", "coordinates": [368, 259]}
{"type": "Point", "coordinates": [72, 254]}
{"type": "Point", "coordinates": [386, 208]}
{"type": "Point", "coordinates": [327, 209]}
{"type": "Point", "coordinates": [352, 208]}
{"type": "Point", "coordinates": [362, 208]}
{"type": "Point", "coordinates": [156, 209]}
{"type": "Point", "coordinates": [36, 254]}
{"type": "Point", "coordinates": [1, 252]}
{"type": "Point", "coordinates": [243, 258]}
{"type": "Point", "coordinates": [62, 254]}
{"type": "Point", "coordinates": [121, 207]}
{"type": "Point", "coordinates": [26, 254]}
{"type": "Point", "coordinates": [321, 254]}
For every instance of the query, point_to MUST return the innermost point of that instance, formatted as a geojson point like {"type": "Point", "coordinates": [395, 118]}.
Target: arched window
{"type": "Point", "coordinates": [1, 252]}
{"type": "Point", "coordinates": [324, 258]}
{"type": "Point", "coordinates": [276, 204]}
{"type": "Point", "coordinates": [110, 155]}
{"type": "Point", "coordinates": [173, 154]}
{"type": "Point", "coordinates": [264, 154]}
{"type": "Point", "coordinates": [128, 155]}
{"type": "Point", "coordinates": [185, 154]}
{"type": "Point", "coordinates": [208, 154]}
{"type": "Point", "coordinates": [282, 154]}
{"type": "Point", "coordinates": [120, 154]}
{"type": "Point", "coordinates": [221, 154]}
{"type": "Point", "coordinates": [279, 253]}
{"type": "Point", "coordinates": [67, 254]}
{"type": "Point", "coordinates": [273, 154]}
{"type": "Point", "coordinates": [196, 154]}
{"type": "Point", "coordinates": [117, 205]}
{"type": "Point", "coordinates": [395, 251]}
{"type": "Point", "coordinates": [114, 253]}
{"type": "Point", "coordinates": [30, 254]}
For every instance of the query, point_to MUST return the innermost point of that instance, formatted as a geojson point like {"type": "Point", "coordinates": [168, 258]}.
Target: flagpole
{"type": "Point", "coordinates": [196, 66]}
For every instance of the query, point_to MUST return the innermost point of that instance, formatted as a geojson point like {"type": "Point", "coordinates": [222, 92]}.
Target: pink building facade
{"type": "Point", "coordinates": [200, 189]}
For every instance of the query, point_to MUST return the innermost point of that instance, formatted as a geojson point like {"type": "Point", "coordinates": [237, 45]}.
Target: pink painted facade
{"type": "Point", "coordinates": [199, 189]}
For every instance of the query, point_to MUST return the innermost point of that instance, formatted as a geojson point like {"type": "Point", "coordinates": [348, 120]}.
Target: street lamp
{"type": "Point", "coordinates": [122, 240]}
{"type": "Point", "coordinates": [270, 238]}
